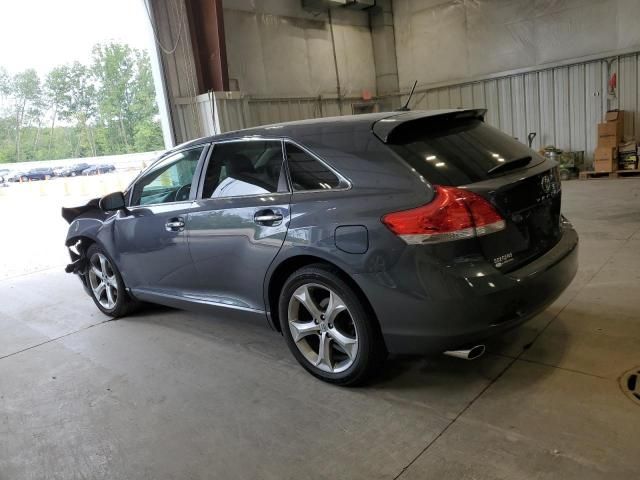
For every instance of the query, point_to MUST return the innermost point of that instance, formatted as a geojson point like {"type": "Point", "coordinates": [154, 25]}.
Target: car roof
{"type": "Point", "coordinates": [381, 124]}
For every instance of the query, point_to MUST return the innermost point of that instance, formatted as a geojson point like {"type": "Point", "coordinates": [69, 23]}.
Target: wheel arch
{"type": "Point", "coordinates": [285, 268]}
{"type": "Point", "coordinates": [84, 239]}
{"type": "Point", "coordinates": [82, 234]}
{"type": "Point", "coordinates": [78, 246]}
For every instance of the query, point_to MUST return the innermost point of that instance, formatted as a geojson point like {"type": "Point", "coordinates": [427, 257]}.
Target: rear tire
{"type": "Point", "coordinates": [327, 327]}
{"type": "Point", "coordinates": [106, 285]}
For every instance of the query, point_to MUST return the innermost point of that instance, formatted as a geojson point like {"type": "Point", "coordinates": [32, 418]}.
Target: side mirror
{"type": "Point", "coordinates": [113, 201]}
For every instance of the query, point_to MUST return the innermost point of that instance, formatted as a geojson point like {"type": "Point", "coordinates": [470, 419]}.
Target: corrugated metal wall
{"type": "Point", "coordinates": [273, 110]}
{"type": "Point", "coordinates": [563, 105]}
{"type": "Point", "coordinates": [235, 111]}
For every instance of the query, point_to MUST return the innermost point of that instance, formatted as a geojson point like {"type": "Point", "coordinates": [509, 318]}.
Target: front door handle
{"type": "Point", "coordinates": [268, 218]}
{"type": "Point", "coordinates": [174, 225]}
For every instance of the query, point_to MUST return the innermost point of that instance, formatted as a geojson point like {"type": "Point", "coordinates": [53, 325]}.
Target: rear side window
{"type": "Point", "coordinates": [307, 172]}
{"type": "Point", "coordinates": [250, 167]}
{"type": "Point", "coordinates": [460, 152]}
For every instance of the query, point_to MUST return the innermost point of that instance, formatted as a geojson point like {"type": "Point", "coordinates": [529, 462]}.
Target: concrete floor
{"type": "Point", "coordinates": [168, 394]}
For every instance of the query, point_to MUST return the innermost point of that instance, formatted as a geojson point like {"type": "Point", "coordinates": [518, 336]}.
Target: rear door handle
{"type": "Point", "coordinates": [268, 217]}
{"type": "Point", "coordinates": [174, 225]}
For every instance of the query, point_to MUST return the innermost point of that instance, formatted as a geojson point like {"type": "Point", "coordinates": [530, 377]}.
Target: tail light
{"type": "Point", "coordinates": [453, 214]}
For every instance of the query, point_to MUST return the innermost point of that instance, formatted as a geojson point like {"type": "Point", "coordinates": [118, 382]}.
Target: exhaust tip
{"type": "Point", "coordinates": [476, 352]}
{"type": "Point", "coordinates": [469, 354]}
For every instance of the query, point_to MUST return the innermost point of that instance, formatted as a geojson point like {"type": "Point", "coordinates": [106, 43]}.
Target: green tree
{"type": "Point", "coordinates": [147, 132]}
{"type": "Point", "coordinates": [56, 88]}
{"type": "Point", "coordinates": [5, 85]}
{"type": "Point", "coordinates": [6, 126]}
{"type": "Point", "coordinates": [80, 105]}
{"type": "Point", "coordinates": [127, 105]}
{"type": "Point", "coordinates": [105, 107]}
{"type": "Point", "coordinates": [115, 70]}
{"type": "Point", "coordinates": [26, 94]}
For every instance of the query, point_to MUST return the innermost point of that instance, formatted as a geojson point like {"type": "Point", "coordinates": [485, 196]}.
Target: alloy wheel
{"type": "Point", "coordinates": [322, 328]}
{"type": "Point", "coordinates": [103, 281]}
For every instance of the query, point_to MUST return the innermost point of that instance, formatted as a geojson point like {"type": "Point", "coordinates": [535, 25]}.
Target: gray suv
{"type": "Point", "coordinates": [400, 232]}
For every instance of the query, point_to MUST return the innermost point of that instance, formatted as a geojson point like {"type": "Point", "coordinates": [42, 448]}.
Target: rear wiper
{"type": "Point", "coordinates": [510, 165]}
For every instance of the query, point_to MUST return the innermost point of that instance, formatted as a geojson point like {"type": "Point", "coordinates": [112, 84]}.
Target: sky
{"type": "Point", "coordinates": [42, 34]}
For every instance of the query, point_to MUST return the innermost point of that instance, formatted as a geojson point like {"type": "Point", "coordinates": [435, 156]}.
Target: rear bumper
{"type": "Point", "coordinates": [431, 307]}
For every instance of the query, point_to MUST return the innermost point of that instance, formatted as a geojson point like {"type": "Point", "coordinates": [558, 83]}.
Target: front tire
{"type": "Point", "coordinates": [327, 327]}
{"type": "Point", "coordinates": [105, 284]}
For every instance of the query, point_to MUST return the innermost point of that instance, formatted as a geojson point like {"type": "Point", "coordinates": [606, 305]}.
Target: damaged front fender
{"type": "Point", "coordinates": [79, 261]}
{"type": "Point", "coordinates": [85, 223]}
{"type": "Point", "coordinates": [78, 256]}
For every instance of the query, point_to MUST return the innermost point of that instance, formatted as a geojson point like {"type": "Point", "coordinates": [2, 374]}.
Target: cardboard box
{"type": "Point", "coordinates": [627, 148]}
{"type": "Point", "coordinates": [617, 117]}
{"type": "Point", "coordinates": [614, 116]}
{"type": "Point", "coordinates": [605, 159]}
{"type": "Point", "coordinates": [608, 135]}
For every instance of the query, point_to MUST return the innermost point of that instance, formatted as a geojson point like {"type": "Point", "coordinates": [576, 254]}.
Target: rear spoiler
{"type": "Point", "coordinates": [71, 213]}
{"type": "Point", "coordinates": [388, 128]}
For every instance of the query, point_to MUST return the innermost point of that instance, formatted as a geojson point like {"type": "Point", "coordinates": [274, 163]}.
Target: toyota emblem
{"type": "Point", "coordinates": [545, 183]}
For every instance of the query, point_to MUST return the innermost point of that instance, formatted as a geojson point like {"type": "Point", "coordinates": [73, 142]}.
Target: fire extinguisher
{"type": "Point", "coordinates": [613, 84]}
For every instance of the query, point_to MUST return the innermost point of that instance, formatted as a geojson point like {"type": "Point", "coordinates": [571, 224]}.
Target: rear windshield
{"type": "Point", "coordinates": [460, 152]}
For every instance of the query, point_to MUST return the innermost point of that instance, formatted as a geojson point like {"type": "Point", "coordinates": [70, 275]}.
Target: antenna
{"type": "Point", "coordinates": [405, 107]}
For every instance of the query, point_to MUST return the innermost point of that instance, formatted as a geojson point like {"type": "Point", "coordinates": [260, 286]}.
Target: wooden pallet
{"type": "Point", "coordinates": [616, 174]}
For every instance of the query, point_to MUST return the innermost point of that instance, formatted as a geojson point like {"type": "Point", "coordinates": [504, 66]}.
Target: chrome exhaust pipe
{"type": "Point", "coordinates": [470, 354]}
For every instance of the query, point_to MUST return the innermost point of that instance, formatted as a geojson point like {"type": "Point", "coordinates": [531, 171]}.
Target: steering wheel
{"type": "Point", "coordinates": [182, 193]}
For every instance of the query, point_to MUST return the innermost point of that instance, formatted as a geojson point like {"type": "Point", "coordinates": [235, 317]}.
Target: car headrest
{"type": "Point", "coordinates": [238, 164]}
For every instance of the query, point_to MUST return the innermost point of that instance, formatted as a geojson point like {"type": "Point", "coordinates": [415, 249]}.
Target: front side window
{"type": "Point", "coordinates": [248, 167]}
{"type": "Point", "coordinates": [168, 181]}
{"type": "Point", "coordinates": [307, 172]}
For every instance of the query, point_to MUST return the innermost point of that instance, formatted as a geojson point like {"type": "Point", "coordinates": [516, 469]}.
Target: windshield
{"type": "Point", "coordinates": [460, 152]}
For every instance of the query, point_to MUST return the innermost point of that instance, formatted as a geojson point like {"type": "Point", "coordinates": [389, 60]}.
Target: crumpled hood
{"type": "Point", "coordinates": [71, 213]}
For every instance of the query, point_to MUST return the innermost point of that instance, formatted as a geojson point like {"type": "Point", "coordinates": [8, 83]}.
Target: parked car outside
{"type": "Point", "coordinates": [98, 169]}
{"type": "Point", "coordinates": [44, 173]}
{"type": "Point", "coordinates": [4, 176]}
{"type": "Point", "coordinates": [15, 176]}
{"type": "Point", "coordinates": [401, 232]}
{"type": "Point", "coordinates": [74, 170]}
